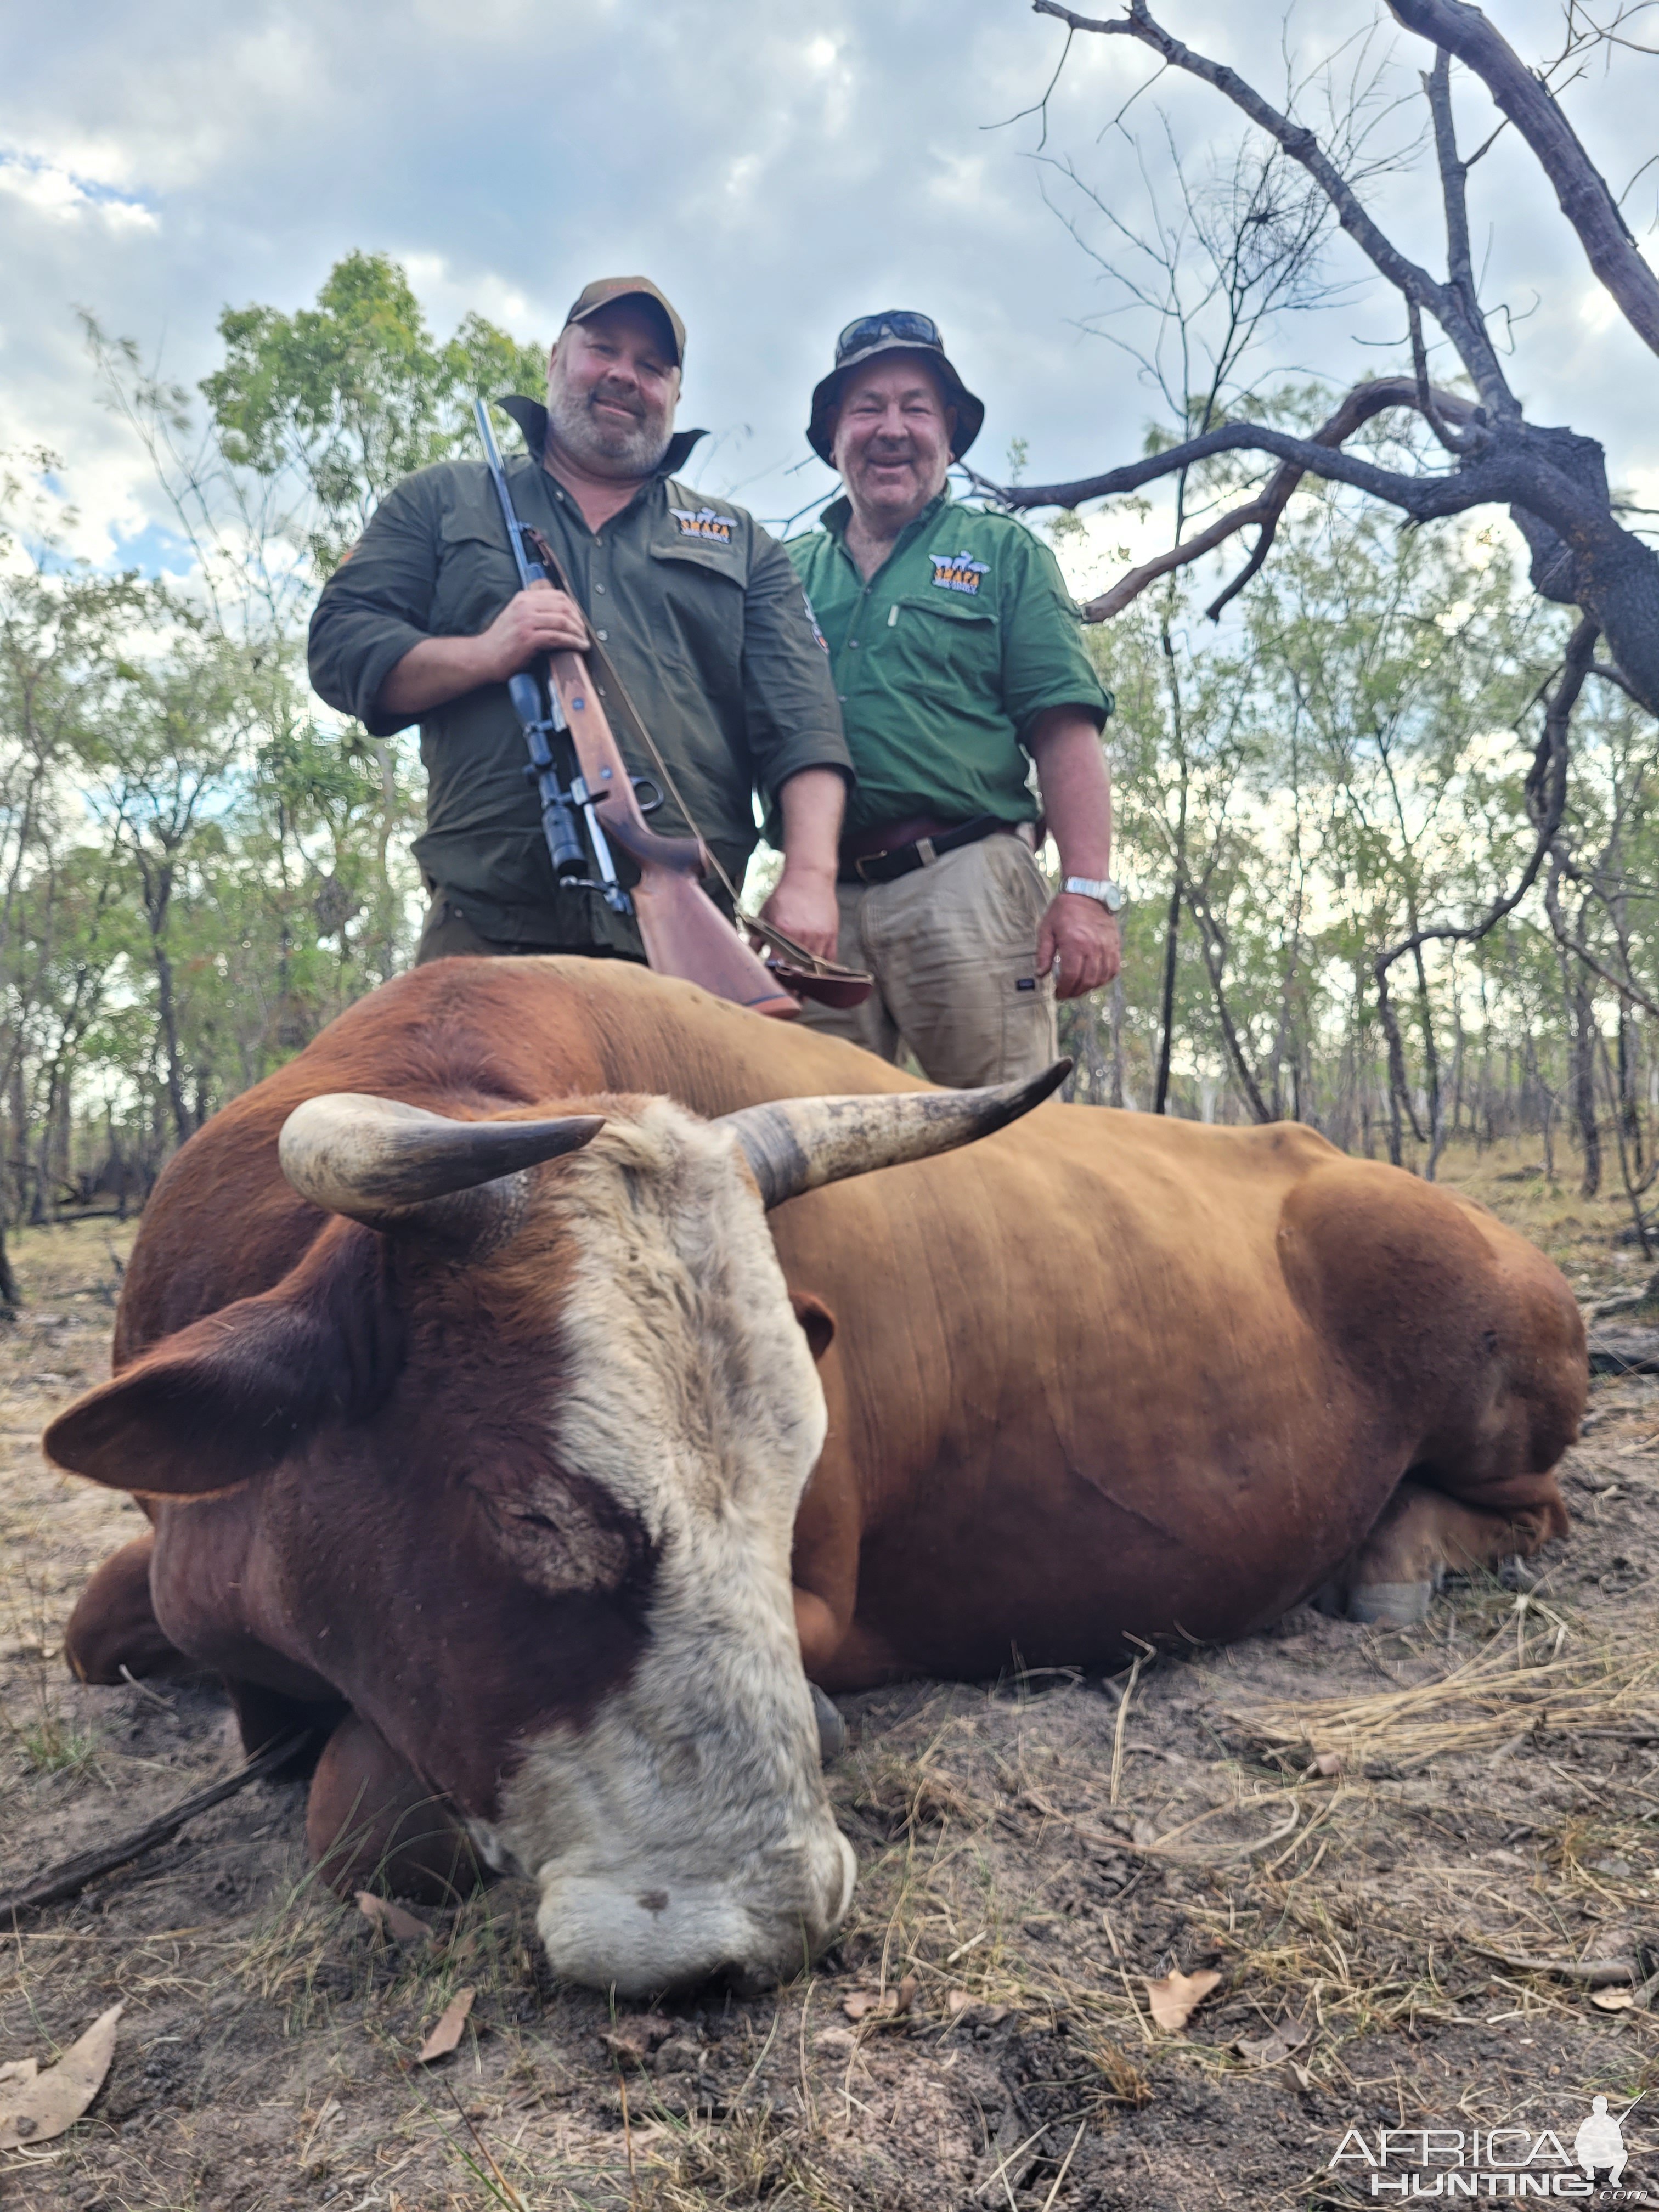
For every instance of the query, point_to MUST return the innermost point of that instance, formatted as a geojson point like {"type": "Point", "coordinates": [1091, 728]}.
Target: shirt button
{"type": "Point", "coordinates": [852, 645]}
{"type": "Point", "coordinates": [600, 635]}
{"type": "Point", "coordinates": [599, 587]}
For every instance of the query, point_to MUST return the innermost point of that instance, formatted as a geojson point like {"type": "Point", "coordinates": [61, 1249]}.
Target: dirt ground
{"type": "Point", "coordinates": [1390, 1848]}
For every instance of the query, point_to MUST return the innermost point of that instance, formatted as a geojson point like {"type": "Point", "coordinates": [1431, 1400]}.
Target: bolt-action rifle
{"type": "Point", "coordinates": [683, 931]}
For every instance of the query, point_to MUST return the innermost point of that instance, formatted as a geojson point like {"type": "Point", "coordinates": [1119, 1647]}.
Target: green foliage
{"type": "Point", "coordinates": [1339, 762]}
{"type": "Point", "coordinates": [355, 392]}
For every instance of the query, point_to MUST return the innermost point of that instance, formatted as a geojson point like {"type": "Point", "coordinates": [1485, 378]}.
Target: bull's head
{"type": "Point", "coordinates": [530, 1441]}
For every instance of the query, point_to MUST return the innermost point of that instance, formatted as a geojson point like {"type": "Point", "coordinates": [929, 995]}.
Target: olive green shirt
{"type": "Point", "coordinates": [944, 660]}
{"type": "Point", "coordinates": [696, 605]}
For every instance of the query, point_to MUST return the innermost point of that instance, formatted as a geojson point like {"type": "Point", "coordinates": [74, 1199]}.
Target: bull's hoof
{"type": "Point", "coordinates": [1390, 1605]}
{"type": "Point", "coordinates": [832, 1729]}
{"type": "Point", "coordinates": [371, 1824]}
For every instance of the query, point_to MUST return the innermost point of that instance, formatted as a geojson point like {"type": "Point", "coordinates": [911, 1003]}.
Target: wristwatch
{"type": "Point", "coordinates": [1100, 887]}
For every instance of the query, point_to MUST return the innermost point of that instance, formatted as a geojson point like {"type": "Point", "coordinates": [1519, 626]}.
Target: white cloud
{"type": "Point", "coordinates": [62, 196]}
{"type": "Point", "coordinates": [777, 177]}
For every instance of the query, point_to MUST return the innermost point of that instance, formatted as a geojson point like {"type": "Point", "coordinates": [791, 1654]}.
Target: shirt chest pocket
{"type": "Point", "coordinates": [939, 641]}
{"type": "Point", "coordinates": [700, 593]}
{"type": "Point", "coordinates": [476, 575]}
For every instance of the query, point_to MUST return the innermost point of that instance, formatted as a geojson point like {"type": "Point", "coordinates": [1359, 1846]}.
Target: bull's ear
{"type": "Point", "coordinates": [228, 1398]}
{"type": "Point", "coordinates": [816, 1319]}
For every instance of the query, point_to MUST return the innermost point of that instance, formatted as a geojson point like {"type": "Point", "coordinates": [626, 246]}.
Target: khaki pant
{"type": "Point", "coordinates": [952, 947]}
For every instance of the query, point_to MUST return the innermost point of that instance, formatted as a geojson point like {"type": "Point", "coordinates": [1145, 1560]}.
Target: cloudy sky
{"type": "Point", "coordinates": [777, 169]}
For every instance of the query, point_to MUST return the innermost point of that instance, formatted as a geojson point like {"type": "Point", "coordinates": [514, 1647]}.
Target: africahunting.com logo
{"type": "Point", "coordinates": [1391, 2163]}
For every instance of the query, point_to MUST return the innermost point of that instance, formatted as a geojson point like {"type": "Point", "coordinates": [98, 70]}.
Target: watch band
{"type": "Point", "coordinates": [1101, 888]}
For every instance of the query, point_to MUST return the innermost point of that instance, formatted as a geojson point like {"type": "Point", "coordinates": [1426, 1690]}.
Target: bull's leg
{"type": "Point", "coordinates": [113, 1624]}
{"type": "Point", "coordinates": [1422, 1536]}
{"type": "Point", "coordinates": [370, 1821]}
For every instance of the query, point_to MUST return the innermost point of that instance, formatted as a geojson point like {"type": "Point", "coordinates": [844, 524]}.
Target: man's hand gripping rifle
{"type": "Point", "coordinates": [683, 931]}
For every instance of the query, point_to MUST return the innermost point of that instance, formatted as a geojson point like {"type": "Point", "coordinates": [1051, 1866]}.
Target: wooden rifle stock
{"type": "Point", "coordinates": [684, 932]}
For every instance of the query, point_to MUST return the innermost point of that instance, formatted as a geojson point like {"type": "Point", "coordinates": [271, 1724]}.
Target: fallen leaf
{"type": "Point", "coordinates": [959, 2005]}
{"type": "Point", "coordinates": [1329, 1763]}
{"type": "Point", "coordinates": [1177, 1997]}
{"type": "Point", "coordinates": [1614, 2000]}
{"type": "Point", "coordinates": [393, 1922]}
{"type": "Point", "coordinates": [885, 2004]}
{"type": "Point", "coordinates": [448, 2032]}
{"type": "Point", "coordinates": [957, 2001]}
{"type": "Point", "coordinates": [19, 2069]}
{"type": "Point", "coordinates": [634, 2036]}
{"type": "Point", "coordinates": [35, 2106]}
{"type": "Point", "coordinates": [1277, 2044]}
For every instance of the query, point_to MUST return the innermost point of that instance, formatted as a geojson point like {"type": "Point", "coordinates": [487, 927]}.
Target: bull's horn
{"type": "Point", "coordinates": [794, 1145]}
{"type": "Point", "coordinates": [380, 1161]}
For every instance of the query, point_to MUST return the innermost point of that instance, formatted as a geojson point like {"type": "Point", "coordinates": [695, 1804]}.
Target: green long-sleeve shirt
{"type": "Point", "coordinates": [944, 658]}
{"type": "Point", "coordinates": [698, 608]}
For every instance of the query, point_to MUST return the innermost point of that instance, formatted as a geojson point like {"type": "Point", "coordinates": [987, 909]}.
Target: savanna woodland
{"type": "Point", "coordinates": [1383, 787]}
{"type": "Point", "coordinates": [1385, 657]}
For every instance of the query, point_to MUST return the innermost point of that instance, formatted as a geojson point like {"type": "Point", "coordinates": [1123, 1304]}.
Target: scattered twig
{"type": "Point", "coordinates": [73, 1876]}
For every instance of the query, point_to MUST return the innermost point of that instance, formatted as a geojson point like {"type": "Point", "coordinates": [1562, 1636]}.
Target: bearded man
{"type": "Point", "coordinates": [700, 612]}
{"type": "Point", "coordinates": [959, 665]}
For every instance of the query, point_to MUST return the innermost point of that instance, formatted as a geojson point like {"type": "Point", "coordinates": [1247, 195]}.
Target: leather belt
{"type": "Point", "coordinates": [875, 857]}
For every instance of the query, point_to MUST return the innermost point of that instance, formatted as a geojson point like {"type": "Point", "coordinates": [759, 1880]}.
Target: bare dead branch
{"type": "Point", "coordinates": [1455, 442]}
{"type": "Point", "coordinates": [1424, 498]}
{"type": "Point", "coordinates": [1453, 177]}
{"type": "Point", "coordinates": [1358, 406]}
{"type": "Point", "coordinates": [1610, 674]}
{"type": "Point", "coordinates": [1583, 193]}
{"type": "Point", "coordinates": [1444, 301]}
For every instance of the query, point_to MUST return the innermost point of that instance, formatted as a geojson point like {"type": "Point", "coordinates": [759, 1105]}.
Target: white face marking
{"type": "Point", "coordinates": [687, 1828]}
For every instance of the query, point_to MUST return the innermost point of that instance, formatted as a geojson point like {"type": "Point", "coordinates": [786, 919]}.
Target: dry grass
{"type": "Point", "coordinates": [1029, 1857]}
{"type": "Point", "coordinates": [1514, 1687]}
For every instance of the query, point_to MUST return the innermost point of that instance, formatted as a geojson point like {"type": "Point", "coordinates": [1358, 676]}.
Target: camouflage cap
{"type": "Point", "coordinates": [604, 290]}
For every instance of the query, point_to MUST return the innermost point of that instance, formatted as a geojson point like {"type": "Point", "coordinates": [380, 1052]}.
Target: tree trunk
{"type": "Point", "coordinates": [1582, 1011]}
{"type": "Point", "coordinates": [1161, 1094]}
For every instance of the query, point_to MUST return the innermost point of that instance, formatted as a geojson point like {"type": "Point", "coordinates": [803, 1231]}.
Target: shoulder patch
{"type": "Point", "coordinates": [704, 523]}
{"type": "Point", "coordinates": [958, 572]}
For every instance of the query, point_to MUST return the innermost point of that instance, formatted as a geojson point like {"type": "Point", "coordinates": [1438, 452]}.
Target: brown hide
{"type": "Point", "coordinates": [1101, 1373]}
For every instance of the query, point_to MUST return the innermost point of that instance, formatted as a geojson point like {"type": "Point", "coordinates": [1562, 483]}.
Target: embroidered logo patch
{"type": "Point", "coordinates": [703, 523]}
{"type": "Point", "coordinates": [958, 572]}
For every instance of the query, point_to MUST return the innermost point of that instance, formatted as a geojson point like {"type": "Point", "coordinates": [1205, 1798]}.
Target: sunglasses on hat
{"type": "Point", "coordinates": [897, 323]}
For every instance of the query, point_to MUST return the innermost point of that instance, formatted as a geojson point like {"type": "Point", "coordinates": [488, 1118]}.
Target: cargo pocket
{"type": "Point", "coordinates": [1029, 1031]}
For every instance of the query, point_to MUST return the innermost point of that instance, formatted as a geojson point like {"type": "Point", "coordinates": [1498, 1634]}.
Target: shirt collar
{"type": "Point", "coordinates": [839, 512]}
{"type": "Point", "coordinates": [531, 418]}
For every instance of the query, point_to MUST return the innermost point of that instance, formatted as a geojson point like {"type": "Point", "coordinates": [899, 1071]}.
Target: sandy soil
{"type": "Point", "coordinates": [1354, 1830]}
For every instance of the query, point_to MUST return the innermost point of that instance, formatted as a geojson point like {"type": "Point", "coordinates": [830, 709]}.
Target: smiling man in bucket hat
{"type": "Point", "coordinates": [959, 661]}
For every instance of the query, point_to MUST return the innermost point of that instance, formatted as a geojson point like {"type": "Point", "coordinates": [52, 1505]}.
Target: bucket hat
{"type": "Point", "coordinates": [896, 330]}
